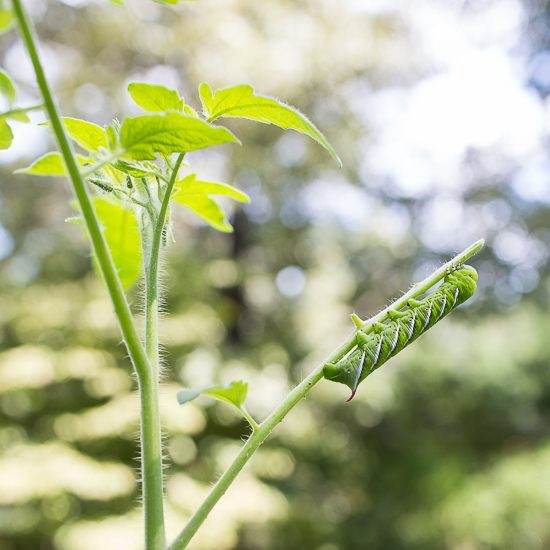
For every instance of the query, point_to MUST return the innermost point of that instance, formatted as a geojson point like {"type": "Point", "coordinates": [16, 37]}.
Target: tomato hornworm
{"type": "Point", "coordinates": [374, 349]}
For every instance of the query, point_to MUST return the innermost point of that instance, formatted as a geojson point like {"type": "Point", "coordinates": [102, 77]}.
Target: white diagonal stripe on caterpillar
{"type": "Point", "coordinates": [429, 311]}
{"type": "Point", "coordinates": [395, 340]}
{"type": "Point", "coordinates": [443, 306]}
{"type": "Point", "coordinates": [378, 348]}
{"type": "Point", "coordinates": [411, 328]}
{"type": "Point", "coordinates": [456, 297]}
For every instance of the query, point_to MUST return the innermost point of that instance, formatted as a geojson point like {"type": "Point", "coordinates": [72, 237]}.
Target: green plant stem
{"type": "Point", "coordinates": [253, 442]}
{"type": "Point", "coordinates": [298, 393]}
{"type": "Point", "coordinates": [24, 110]}
{"type": "Point", "coordinates": [151, 449]}
{"type": "Point", "coordinates": [151, 463]}
{"type": "Point", "coordinates": [103, 254]}
{"type": "Point", "coordinates": [419, 288]}
{"type": "Point", "coordinates": [151, 273]}
{"type": "Point", "coordinates": [150, 422]}
{"type": "Point", "coordinates": [100, 164]}
{"type": "Point", "coordinates": [255, 426]}
{"type": "Point", "coordinates": [113, 156]}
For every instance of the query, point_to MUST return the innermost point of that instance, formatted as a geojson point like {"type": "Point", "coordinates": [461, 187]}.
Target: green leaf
{"type": "Point", "coordinates": [234, 393]}
{"type": "Point", "coordinates": [189, 186]}
{"type": "Point", "coordinates": [144, 136]}
{"type": "Point", "coordinates": [6, 135]}
{"type": "Point", "coordinates": [122, 234]}
{"type": "Point", "coordinates": [186, 395]}
{"type": "Point", "coordinates": [7, 16]}
{"type": "Point", "coordinates": [195, 195]}
{"type": "Point", "coordinates": [241, 102]}
{"type": "Point", "coordinates": [7, 87]}
{"type": "Point", "coordinates": [155, 99]}
{"type": "Point", "coordinates": [189, 110]}
{"type": "Point", "coordinates": [51, 164]}
{"type": "Point", "coordinates": [111, 136]}
{"type": "Point", "coordinates": [88, 135]}
{"type": "Point", "coordinates": [208, 210]}
{"type": "Point", "coordinates": [17, 114]}
{"type": "Point", "coordinates": [117, 2]}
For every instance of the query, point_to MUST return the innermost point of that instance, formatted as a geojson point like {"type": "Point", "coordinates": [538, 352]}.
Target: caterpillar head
{"type": "Point", "coordinates": [465, 280]}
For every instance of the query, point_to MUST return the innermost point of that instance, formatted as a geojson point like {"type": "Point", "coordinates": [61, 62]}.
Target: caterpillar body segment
{"type": "Point", "coordinates": [374, 349]}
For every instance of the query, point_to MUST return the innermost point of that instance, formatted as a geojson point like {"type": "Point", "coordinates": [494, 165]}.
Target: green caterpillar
{"type": "Point", "coordinates": [387, 340]}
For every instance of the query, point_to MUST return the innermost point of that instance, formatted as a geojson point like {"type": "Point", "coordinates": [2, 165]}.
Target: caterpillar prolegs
{"type": "Point", "coordinates": [387, 340]}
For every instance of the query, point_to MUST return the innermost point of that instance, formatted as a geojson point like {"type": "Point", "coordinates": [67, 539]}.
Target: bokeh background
{"type": "Point", "coordinates": [440, 113]}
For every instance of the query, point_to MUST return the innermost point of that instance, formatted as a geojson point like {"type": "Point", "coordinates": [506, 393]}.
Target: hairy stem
{"type": "Point", "coordinates": [151, 434]}
{"type": "Point", "coordinates": [298, 393]}
{"type": "Point", "coordinates": [252, 444]}
{"type": "Point", "coordinates": [103, 254]}
{"type": "Point", "coordinates": [150, 422]}
{"type": "Point", "coordinates": [151, 273]}
{"type": "Point", "coordinates": [151, 464]}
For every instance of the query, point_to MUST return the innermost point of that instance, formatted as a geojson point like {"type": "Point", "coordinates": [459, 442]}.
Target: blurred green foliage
{"type": "Point", "coordinates": [446, 447]}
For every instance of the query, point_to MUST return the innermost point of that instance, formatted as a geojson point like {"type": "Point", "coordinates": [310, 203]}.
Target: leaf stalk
{"type": "Point", "coordinates": [299, 392]}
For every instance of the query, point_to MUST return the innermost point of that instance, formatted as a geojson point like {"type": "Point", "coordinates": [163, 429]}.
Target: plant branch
{"type": "Point", "coordinates": [298, 393]}
{"type": "Point", "coordinates": [103, 254]}
{"type": "Point", "coordinates": [251, 445]}
{"type": "Point", "coordinates": [419, 288]}
{"type": "Point", "coordinates": [150, 411]}
{"type": "Point", "coordinates": [148, 205]}
{"type": "Point", "coordinates": [154, 524]}
{"type": "Point", "coordinates": [18, 110]}
{"type": "Point", "coordinates": [100, 164]}
{"type": "Point", "coordinates": [255, 426]}
{"type": "Point", "coordinates": [151, 270]}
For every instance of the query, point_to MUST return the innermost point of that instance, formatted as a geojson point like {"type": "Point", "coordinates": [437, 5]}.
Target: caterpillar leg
{"type": "Point", "coordinates": [454, 267]}
{"type": "Point", "coordinates": [395, 314]}
{"type": "Point", "coordinates": [414, 303]}
{"type": "Point", "coordinates": [379, 327]}
{"type": "Point", "coordinates": [362, 339]}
